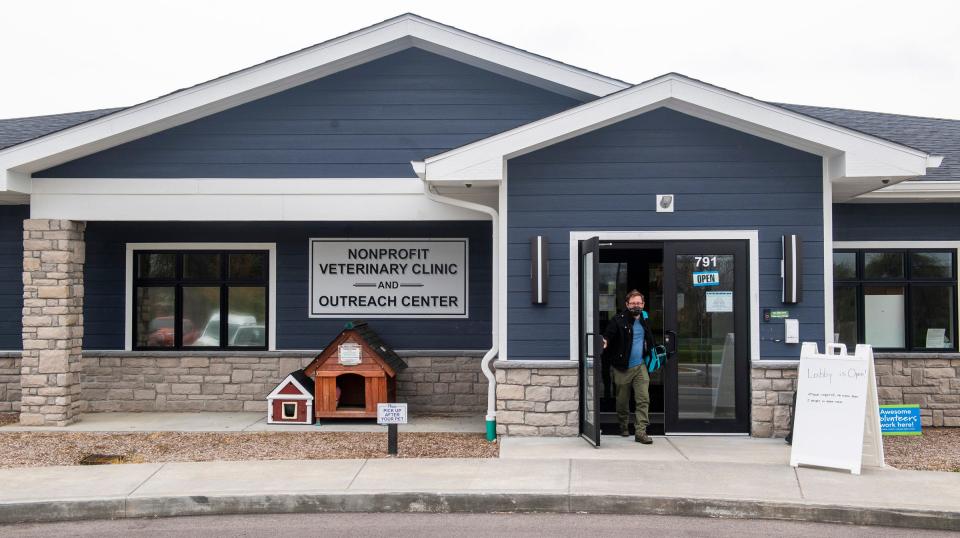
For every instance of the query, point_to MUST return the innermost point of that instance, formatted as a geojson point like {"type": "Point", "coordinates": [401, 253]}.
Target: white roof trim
{"type": "Point", "coordinates": [290, 379]}
{"type": "Point", "coordinates": [850, 154]}
{"type": "Point", "coordinates": [915, 191]}
{"type": "Point", "coordinates": [390, 36]}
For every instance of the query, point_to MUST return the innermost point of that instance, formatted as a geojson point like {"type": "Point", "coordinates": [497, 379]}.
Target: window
{"type": "Point", "coordinates": [896, 299]}
{"type": "Point", "coordinates": [289, 410]}
{"type": "Point", "coordinates": [200, 299]}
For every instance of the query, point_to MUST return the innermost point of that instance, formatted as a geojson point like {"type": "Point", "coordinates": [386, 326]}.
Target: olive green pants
{"type": "Point", "coordinates": [638, 378]}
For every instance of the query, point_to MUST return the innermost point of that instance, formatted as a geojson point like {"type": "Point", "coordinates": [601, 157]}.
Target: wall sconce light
{"type": "Point", "coordinates": [539, 269]}
{"type": "Point", "coordinates": [790, 272]}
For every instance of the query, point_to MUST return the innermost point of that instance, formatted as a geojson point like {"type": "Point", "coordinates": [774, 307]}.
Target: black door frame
{"type": "Point", "coordinates": [742, 326]}
{"type": "Point", "coordinates": [742, 343]}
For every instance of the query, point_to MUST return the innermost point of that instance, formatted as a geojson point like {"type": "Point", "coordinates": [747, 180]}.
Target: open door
{"type": "Point", "coordinates": [591, 343]}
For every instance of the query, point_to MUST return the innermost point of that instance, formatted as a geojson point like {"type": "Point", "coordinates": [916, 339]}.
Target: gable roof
{"type": "Point", "coordinates": [362, 329]}
{"type": "Point", "coordinates": [373, 340]}
{"type": "Point", "coordinates": [34, 143]}
{"type": "Point", "coordinates": [285, 72]}
{"type": "Point", "coordinates": [935, 136]}
{"type": "Point", "coordinates": [300, 380]}
{"type": "Point", "coordinates": [856, 162]}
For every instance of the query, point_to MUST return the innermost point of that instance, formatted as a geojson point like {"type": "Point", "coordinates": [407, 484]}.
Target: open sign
{"type": "Point", "coordinates": [706, 278]}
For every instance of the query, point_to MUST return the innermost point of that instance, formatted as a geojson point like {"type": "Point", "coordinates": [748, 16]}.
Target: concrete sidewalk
{"type": "Point", "coordinates": [711, 476]}
{"type": "Point", "coordinates": [673, 477]}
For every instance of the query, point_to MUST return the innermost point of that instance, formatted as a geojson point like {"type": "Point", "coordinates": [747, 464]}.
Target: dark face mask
{"type": "Point", "coordinates": [635, 311]}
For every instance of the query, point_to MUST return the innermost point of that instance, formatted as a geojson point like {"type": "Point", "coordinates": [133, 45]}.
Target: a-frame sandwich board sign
{"type": "Point", "coordinates": [837, 418]}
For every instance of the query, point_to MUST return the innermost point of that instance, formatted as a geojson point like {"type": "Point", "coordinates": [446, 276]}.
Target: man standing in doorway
{"type": "Point", "coordinates": [626, 341]}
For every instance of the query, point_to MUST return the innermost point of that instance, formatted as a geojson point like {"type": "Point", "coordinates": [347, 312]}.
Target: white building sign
{"type": "Point", "coordinates": [388, 278]}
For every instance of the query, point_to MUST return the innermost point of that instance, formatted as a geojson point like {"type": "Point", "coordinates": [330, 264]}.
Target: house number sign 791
{"type": "Point", "coordinates": [705, 261]}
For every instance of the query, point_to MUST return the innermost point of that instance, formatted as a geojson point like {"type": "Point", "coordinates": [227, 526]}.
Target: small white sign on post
{"type": "Point", "coordinates": [837, 419]}
{"type": "Point", "coordinates": [391, 413]}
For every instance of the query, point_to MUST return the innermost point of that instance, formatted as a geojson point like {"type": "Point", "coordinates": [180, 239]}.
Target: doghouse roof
{"type": "Point", "coordinates": [373, 340]}
{"type": "Point", "coordinates": [300, 379]}
{"type": "Point", "coordinates": [384, 353]}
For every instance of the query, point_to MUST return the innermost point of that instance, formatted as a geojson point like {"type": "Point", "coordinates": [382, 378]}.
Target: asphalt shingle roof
{"type": "Point", "coordinates": [18, 130]}
{"type": "Point", "coordinates": [932, 135]}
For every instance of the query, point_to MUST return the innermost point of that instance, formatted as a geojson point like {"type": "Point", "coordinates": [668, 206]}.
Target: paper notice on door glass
{"type": "Point", "coordinates": [719, 301]}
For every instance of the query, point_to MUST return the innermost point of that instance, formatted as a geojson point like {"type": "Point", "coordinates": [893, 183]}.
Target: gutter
{"type": "Point", "coordinates": [428, 191]}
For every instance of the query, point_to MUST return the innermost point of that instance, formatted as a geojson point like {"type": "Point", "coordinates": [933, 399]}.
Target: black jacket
{"type": "Point", "coordinates": [619, 335]}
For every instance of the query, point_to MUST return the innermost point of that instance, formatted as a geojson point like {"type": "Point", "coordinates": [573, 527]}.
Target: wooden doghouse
{"type": "Point", "coordinates": [291, 402]}
{"type": "Point", "coordinates": [362, 367]}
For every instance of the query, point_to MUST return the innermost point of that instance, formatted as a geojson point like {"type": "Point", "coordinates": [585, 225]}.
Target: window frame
{"type": "Point", "coordinates": [223, 282]}
{"type": "Point", "coordinates": [907, 282]}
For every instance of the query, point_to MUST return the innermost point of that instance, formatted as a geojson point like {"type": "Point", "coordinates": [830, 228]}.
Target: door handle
{"type": "Point", "coordinates": [670, 342]}
{"type": "Point", "coordinates": [591, 347]}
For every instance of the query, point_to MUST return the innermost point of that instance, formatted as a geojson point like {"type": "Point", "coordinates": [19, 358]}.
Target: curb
{"type": "Point", "coordinates": [398, 502]}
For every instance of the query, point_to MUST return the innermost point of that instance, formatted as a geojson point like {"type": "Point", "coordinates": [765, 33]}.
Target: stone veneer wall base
{"type": "Point", "coordinates": [930, 380]}
{"type": "Point", "coordinates": [219, 381]}
{"type": "Point", "coordinates": [9, 382]}
{"type": "Point", "coordinates": [537, 398]}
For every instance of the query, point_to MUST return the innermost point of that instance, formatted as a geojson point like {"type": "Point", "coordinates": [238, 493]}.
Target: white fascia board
{"type": "Point", "coordinates": [525, 67]}
{"type": "Point", "coordinates": [245, 207]}
{"type": "Point", "coordinates": [287, 72]}
{"type": "Point", "coordinates": [186, 186]}
{"type": "Point", "coordinates": [863, 155]}
{"type": "Point", "coordinates": [914, 191]}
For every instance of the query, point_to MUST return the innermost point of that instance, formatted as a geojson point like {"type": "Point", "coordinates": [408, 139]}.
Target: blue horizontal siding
{"type": "Point", "coordinates": [896, 222]}
{"type": "Point", "coordinates": [608, 180]}
{"type": "Point", "coordinates": [368, 121]}
{"type": "Point", "coordinates": [11, 275]}
{"type": "Point", "coordinates": [104, 279]}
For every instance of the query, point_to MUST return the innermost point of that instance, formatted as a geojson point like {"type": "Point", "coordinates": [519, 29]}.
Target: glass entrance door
{"type": "Point", "coordinates": [706, 330]}
{"type": "Point", "coordinates": [591, 344]}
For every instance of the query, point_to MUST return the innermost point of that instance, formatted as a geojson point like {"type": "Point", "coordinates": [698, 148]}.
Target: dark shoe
{"type": "Point", "coordinates": [643, 438]}
{"type": "Point", "coordinates": [624, 431]}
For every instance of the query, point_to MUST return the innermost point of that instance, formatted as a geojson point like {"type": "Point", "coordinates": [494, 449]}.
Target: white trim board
{"type": "Point", "coordinates": [930, 191]}
{"type": "Point", "coordinates": [856, 161]}
{"type": "Point", "coordinates": [304, 393]}
{"type": "Point", "coordinates": [285, 72]}
{"type": "Point", "coordinates": [237, 185]}
{"type": "Point", "coordinates": [271, 248]}
{"type": "Point", "coordinates": [827, 256]}
{"type": "Point", "coordinates": [751, 236]}
{"type": "Point", "coordinates": [913, 245]}
{"type": "Point", "coordinates": [239, 199]}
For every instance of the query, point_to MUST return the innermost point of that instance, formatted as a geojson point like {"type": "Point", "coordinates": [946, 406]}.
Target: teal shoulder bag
{"type": "Point", "coordinates": [656, 358]}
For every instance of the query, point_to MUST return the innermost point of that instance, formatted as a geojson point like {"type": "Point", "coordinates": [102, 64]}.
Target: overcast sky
{"type": "Point", "coordinates": [900, 56]}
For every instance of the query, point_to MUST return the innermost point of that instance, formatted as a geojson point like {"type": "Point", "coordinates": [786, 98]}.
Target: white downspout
{"type": "Point", "coordinates": [494, 350]}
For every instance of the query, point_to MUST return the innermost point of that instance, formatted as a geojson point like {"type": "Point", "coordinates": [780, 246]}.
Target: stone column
{"type": "Point", "coordinates": [53, 257]}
